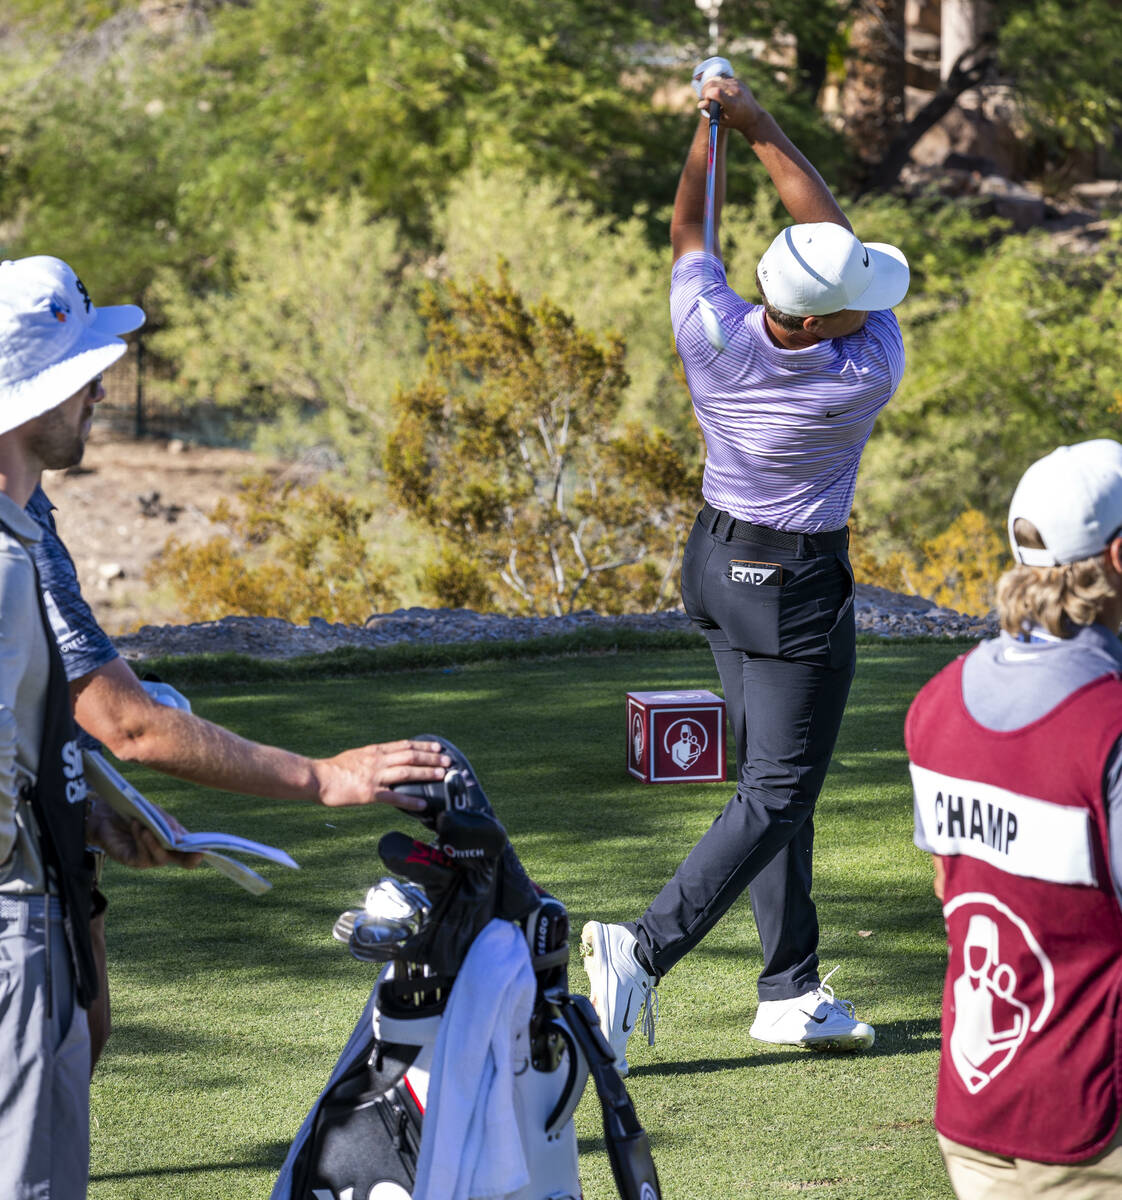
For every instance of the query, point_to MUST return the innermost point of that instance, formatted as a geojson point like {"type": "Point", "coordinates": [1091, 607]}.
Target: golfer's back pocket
{"type": "Point", "coordinates": [744, 595]}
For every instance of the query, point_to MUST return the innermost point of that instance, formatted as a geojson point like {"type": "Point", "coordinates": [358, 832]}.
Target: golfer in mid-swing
{"type": "Point", "coordinates": [786, 408]}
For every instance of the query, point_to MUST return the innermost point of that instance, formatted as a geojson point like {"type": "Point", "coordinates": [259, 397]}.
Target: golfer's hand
{"type": "Point", "coordinates": [365, 775]}
{"type": "Point", "coordinates": [130, 843]}
{"type": "Point", "coordinates": [740, 109]}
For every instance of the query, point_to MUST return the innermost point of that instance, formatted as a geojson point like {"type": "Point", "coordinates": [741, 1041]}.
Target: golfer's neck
{"type": "Point", "coordinates": [788, 339]}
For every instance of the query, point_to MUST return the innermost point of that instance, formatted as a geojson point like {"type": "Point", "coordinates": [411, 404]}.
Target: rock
{"type": "Point", "coordinates": [878, 611]}
{"type": "Point", "coordinates": [1099, 194]}
{"type": "Point", "coordinates": [1016, 204]}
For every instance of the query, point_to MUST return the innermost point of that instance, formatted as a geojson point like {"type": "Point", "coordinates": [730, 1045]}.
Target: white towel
{"type": "Point", "coordinates": [470, 1146]}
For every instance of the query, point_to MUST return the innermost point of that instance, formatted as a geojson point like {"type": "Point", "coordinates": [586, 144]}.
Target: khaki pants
{"type": "Point", "coordinates": [977, 1175]}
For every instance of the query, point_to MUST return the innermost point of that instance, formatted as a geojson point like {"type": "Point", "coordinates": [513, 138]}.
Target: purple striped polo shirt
{"type": "Point", "coordinates": [784, 429]}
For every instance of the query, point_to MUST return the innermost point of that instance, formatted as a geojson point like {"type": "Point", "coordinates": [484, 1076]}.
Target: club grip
{"type": "Point", "coordinates": [714, 110]}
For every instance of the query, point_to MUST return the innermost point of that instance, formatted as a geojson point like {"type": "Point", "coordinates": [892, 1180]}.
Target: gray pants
{"type": "Point", "coordinates": [44, 1059]}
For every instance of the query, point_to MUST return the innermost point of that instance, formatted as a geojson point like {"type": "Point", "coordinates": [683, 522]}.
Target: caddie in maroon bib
{"type": "Point", "coordinates": [1032, 1028]}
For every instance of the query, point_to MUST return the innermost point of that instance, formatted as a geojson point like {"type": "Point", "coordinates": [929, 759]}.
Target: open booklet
{"type": "Point", "coordinates": [215, 848]}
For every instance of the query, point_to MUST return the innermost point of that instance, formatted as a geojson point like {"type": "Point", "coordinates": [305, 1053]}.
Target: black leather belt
{"type": "Point", "coordinates": [724, 525]}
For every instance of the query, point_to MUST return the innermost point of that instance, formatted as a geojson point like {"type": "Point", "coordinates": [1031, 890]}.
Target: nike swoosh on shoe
{"type": "Point", "coordinates": [626, 1014]}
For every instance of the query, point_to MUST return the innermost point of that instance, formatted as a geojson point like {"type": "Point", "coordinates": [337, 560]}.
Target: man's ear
{"type": "Point", "coordinates": [1114, 554]}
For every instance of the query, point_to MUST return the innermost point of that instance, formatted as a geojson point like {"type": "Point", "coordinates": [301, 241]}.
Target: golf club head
{"type": "Point", "coordinates": [344, 925]}
{"type": "Point", "coordinates": [375, 939]}
{"type": "Point", "coordinates": [711, 68]}
{"type": "Point", "coordinates": [397, 900]}
{"type": "Point", "coordinates": [711, 323]}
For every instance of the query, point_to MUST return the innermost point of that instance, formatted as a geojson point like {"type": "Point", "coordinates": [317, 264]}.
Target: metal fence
{"type": "Point", "coordinates": [138, 403]}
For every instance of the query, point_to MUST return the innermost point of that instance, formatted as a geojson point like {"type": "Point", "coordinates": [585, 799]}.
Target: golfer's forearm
{"type": "Point", "coordinates": [802, 191]}
{"type": "Point", "coordinates": [688, 220]}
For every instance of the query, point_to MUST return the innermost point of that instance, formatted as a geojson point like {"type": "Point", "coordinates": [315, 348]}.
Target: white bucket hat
{"type": "Point", "coordinates": [1074, 498]}
{"type": "Point", "coordinates": [811, 270]}
{"type": "Point", "coordinates": [52, 338]}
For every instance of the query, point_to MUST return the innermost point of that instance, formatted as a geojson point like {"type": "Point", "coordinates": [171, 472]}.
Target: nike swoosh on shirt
{"type": "Point", "coordinates": [1012, 654]}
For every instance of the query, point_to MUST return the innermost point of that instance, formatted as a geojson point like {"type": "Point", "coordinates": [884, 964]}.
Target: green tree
{"type": "Point", "coordinates": [314, 334]}
{"type": "Point", "coordinates": [91, 169]}
{"type": "Point", "coordinates": [506, 451]}
{"type": "Point", "coordinates": [605, 274]}
{"type": "Point", "coordinates": [316, 96]}
{"type": "Point", "coordinates": [1025, 355]}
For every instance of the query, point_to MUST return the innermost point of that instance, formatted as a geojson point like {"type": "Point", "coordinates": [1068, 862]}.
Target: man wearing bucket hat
{"type": "Point", "coordinates": [786, 394]}
{"type": "Point", "coordinates": [1016, 761]}
{"type": "Point", "coordinates": [54, 345]}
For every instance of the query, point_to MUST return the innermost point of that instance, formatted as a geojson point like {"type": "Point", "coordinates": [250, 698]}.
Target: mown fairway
{"type": "Point", "coordinates": [230, 1010]}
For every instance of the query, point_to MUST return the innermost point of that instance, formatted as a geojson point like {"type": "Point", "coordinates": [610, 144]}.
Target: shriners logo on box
{"type": "Point", "coordinates": [685, 741]}
{"type": "Point", "coordinates": [676, 737]}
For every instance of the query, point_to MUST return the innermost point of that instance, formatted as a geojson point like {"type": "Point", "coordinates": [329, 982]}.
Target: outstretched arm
{"type": "Point", "coordinates": [687, 226]}
{"type": "Point", "coordinates": [802, 191]}
{"type": "Point", "coordinates": [112, 706]}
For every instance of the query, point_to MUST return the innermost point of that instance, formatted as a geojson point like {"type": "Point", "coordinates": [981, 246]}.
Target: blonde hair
{"type": "Point", "coordinates": [1058, 599]}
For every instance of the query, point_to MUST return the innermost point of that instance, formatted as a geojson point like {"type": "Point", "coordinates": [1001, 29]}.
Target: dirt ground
{"type": "Point", "coordinates": [116, 511]}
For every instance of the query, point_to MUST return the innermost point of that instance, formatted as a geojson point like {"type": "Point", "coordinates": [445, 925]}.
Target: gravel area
{"type": "Point", "coordinates": [880, 612]}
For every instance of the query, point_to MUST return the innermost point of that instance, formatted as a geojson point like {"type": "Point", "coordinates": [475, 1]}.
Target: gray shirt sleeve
{"type": "Point", "coordinates": [1112, 787]}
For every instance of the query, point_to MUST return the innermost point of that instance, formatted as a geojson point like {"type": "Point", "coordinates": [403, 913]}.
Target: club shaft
{"type": "Point", "coordinates": [709, 229]}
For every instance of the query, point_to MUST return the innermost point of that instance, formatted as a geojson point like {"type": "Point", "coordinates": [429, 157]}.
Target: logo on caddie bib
{"type": "Point", "coordinates": [758, 574]}
{"type": "Point", "coordinates": [76, 789]}
{"type": "Point", "coordinates": [995, 1010]}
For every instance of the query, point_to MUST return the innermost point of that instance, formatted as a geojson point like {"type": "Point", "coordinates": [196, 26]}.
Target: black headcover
{"type": "Point", "coordinates": [470, 872]}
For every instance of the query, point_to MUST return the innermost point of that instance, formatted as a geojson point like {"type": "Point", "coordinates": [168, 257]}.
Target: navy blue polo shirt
{"type": "Point", "coordinates": [85, 646]}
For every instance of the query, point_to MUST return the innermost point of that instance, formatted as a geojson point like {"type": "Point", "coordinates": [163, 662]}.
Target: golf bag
{"type": "Point", "coordinates": [454, 911]}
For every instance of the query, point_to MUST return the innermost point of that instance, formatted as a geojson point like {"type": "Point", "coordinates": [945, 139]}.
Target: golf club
{"type": "Point", "coordinates": [709, 69]}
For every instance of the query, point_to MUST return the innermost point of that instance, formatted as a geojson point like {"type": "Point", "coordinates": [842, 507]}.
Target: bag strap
{"type": "Point", "coordinates": [629, 1150]}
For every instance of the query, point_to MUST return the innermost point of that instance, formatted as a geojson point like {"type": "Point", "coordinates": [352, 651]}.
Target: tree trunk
{"type": "Point", "coordinates": [963, 25]}
{"type": "Point", "coordinates": [874, 92]}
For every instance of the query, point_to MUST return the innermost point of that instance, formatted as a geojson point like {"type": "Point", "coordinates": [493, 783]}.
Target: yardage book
{"type": "Point", "coordinates": [215, 848]}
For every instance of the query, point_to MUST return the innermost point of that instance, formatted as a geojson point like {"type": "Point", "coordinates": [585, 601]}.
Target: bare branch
{"type": "Point", "coordinates": [972, 67]}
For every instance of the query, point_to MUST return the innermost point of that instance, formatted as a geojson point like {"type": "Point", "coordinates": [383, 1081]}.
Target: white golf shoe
{"type": "Point", "coordinates": [816, 1019]}
{"type": "Point", "coordinates": [621, 988]}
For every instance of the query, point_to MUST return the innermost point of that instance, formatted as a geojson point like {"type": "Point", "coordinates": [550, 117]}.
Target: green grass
{"type": "Point", "coordinates": [229, 1010]}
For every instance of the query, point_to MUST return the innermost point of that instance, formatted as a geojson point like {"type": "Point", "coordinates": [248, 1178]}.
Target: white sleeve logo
{"type": "Point", "coordinates": [1019, 834]}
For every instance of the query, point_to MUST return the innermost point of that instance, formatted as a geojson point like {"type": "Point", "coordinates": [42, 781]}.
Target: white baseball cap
{"type": "Point", "coordinates": [1074, 498]}
{"type": "Point", "coordinates": [53, 340]}
{"type": "Point", "coordinates": [811, 270]}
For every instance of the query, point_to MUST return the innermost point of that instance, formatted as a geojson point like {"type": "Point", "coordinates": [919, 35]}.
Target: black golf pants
{"type": "Point", "coordinates": [777, 610]}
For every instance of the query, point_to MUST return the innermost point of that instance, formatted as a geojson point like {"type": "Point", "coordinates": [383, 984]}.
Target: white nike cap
{"type": "Point", "coordinates": [811, 270]}
{"type": "Point", "coordinates": [1074, 498]}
